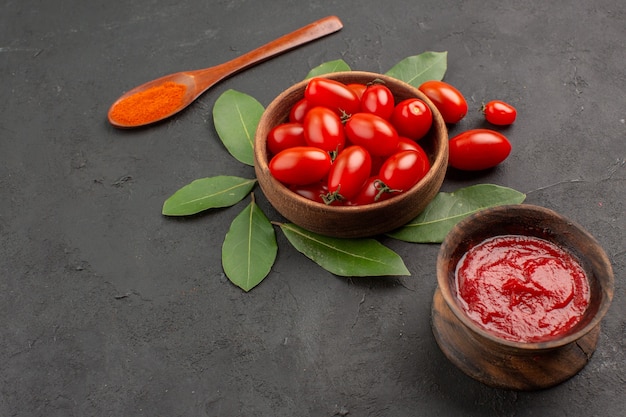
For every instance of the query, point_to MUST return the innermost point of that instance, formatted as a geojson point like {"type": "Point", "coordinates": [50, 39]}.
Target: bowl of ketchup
{"type": "Point", "coordinates": [521, 294]}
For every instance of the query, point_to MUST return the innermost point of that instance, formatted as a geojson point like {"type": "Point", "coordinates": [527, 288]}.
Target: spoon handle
{"type": "Point", "coordinates": [205, 78]}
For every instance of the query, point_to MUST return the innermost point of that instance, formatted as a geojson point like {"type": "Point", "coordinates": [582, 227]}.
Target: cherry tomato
{"type": "Point", "coordinates": [300, 165]}
{"type": "Point", "coordinates": [332, 94]}
{"type": "Point", "coordinates": [313, 192]}
{"type": "Point", "coordinates": [448, 100]}
{"type": "Point", "coordinates": [412, 118]}
{"type": "Point", "coordinates": [357, 88]}
{"type": "Point", "coordinates": [323, 129]}
{"type": "Point", "coordinates": [377, 162]}
{"type": "Point", "coordinates": [285, 135]}
{"type": "Point", "coordinates": [478, 149]}
{"type": "Point", "coordinates": [499, 113]}
{"type": "Point", "coordinates": [348, 173]}
{"type": "Point", "coordinates": [299, 110]}
{"type": "Point", "coordinates": [378, 99]}
{"type": "Point", "coordinates": [403, 170]}
{"type": "Point", "coordinates": [373, 190]}
{"type": "Point", "coordinates": [405, 144]}
{"type": "Point", "coordinates": [373, 133]}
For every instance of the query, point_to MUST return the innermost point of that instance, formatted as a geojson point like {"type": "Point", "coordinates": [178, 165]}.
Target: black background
{"type": "Point", "coordinates": [109, 308]}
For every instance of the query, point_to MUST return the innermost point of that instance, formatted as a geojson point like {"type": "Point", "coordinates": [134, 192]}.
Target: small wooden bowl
{"type": "Point", "coordinates": [351, 221]}
{"type": "Point", "coordinates": [513, 365]}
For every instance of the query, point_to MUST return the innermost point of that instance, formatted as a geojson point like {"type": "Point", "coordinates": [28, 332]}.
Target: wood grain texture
{"type": "Point", "coordinates": [505, 367]}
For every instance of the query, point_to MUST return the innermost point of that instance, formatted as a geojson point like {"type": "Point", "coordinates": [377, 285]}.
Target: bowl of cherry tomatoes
{"type": "Point", "coordinates": [351, 154]}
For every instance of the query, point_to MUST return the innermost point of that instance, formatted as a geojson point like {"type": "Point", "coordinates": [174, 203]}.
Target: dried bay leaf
{"type": "Point", "coordinates": [447, 209]}
{"type": "Point", "coordinates": [236, 116]}
{"type": "Point", "coordinates": [249, 249]}
{"type": "Point", "coordinates": [417, 69]}
{"type": "Point", "coordinates": [206, 193]}
{"type": "Point", "coordinates": [345, 257]}
{"type": "Point", "coordinates": [328, 67]}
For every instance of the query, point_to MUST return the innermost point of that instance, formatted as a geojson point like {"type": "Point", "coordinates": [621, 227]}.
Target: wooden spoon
{"type": "Point", "coordinates": [198, 81]}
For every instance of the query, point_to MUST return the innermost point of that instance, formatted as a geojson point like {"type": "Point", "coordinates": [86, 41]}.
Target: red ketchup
{"type": "Point", "coordinates": [522, 288]}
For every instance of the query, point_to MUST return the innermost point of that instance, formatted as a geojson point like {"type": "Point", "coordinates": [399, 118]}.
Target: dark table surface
{"type": "Point", "coordinates": [109, 308]}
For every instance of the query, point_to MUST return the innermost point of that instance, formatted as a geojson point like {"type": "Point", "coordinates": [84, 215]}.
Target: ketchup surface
{"type": "Point", "coordinates": [522, 288]}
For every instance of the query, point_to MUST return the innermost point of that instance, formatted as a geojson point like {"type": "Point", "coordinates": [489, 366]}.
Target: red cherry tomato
{"type": "Point", "coordinates": [403, 170]}
{"type": "Point", "coordinates": [448, 100]}
{"type": "Point", "coordinates": [323, 129]}
{"type": "Point", "coordinates": [299, 110]}
{"type": "Point", "coordinates": [285, 135]}
{"type": "Point", "coordinates": [406, 144]}
{"type": "Point", "coordinates": [314, 192]}
{"type": "Point", "coordinates": [378, 99]}
{"type": "Point", "coordinates": [377, 162]}
{"type": "Point", "coordinates": [478, 149]}
{"type": "Point", "coordinates": [332, 94]}
{"type": "Point", "coordinates": [373, 133]}
{"type": "Point", "coordinates": [499, 113]}
{"type": "Point", "coordinates": [300, 165]}
{"type": "Point", "coordinates": [373, 190]}
{"type": "Point", "coordinates": [409, 145]}
{"type": "Point", "coordinates": [349, 172]}
{"type": "Point", "coordinates": [412, 118]}
{"type": "Point", "coordinates": [357, 88]}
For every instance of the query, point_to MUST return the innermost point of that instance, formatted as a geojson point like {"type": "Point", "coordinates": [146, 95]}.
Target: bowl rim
{"type": "Point", "coordinates": [450, 298]}
{"type": "Point", "coordinates": [439, 161]}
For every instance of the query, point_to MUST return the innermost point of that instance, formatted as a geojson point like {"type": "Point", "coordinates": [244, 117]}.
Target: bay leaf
{"type": "Point", "coordinates": [345, 257]}
{"type": "Point", "coordinates": [417, 69]}
{"type": "Point", "coordinates": [236, 116]}
{"type": "Point", "coordinates": [206, 193]}
{"type": "Point", "coordinates": [328, 67]}
{"type": "Point", "coordinates": [447, 209]}
{"type": "Point", "coordinates": [249, 249]}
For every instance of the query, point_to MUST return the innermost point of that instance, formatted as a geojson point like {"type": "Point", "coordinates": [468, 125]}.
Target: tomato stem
{"type": "Point", "coordinates": [333, 196]}
{"type": "Point", "coordinates": [344, 116]}
{"type": "Point", "coordinates": [333, 154]}
{"type": "Point", "coordinates": [383, 188]}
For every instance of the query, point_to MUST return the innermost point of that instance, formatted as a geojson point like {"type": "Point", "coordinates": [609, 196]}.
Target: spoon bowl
{"type": "Point", "coordinates": [191, 92]}
{"type": "Point", "coordinates": [198, 81]}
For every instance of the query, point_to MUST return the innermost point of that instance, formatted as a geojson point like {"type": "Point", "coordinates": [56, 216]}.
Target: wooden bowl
{"type": "Point", "coordinates": [351, 221]}
{"type": "Point", "coordinates": [503, 363]}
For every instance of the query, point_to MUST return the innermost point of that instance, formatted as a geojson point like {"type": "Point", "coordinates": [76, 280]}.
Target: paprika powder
{"type": "Point", "coordinates": [149, 105]}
